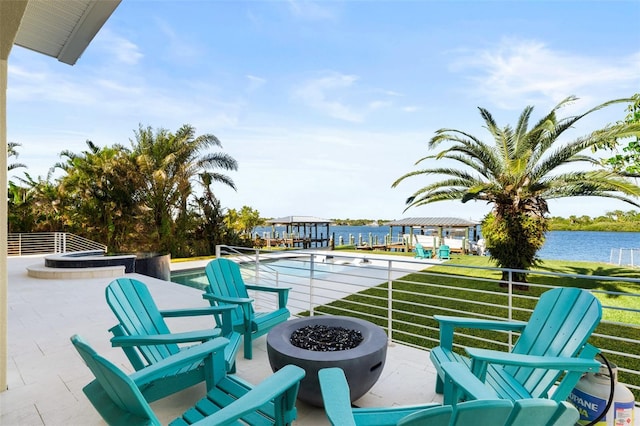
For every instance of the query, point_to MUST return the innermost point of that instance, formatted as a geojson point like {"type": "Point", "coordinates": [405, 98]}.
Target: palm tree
{"type": "Point", "coordinates": [628, 160]}
{"type": "Point", "coordinates": [13, 152]}
{"type": "Point", "coordinates": [171, 165]}
{"type": "Point", "coordinates": [517, 174]}
{"type": "Point", "coordinates": [36, 206]}
{"type": "Point", "coordinates": [99, 186]}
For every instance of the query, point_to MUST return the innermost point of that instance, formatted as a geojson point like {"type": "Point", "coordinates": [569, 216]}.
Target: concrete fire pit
{"type": "Point", "coordinates": [362, 364]}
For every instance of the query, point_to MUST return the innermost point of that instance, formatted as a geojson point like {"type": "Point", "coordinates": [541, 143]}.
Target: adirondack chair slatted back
{"type": "Point", "coordinates": [542, 412]}
{"type": "Point", "coordinates": [437, 416]}
{"type": "Point", "coordinates": [444, 252]}
{"type": "Point", "coordinates": [525, 412]}
{"type": "Point", "coordinates": [138, 314]}
{"type": "Point", "coordinates": [482, 413]}
{"type": "Point", "coordinates": [120, 389]}
{"type": "Point", "coordinates": [226, 280]}
{"type": "Point", "coordinates": [560, 325]}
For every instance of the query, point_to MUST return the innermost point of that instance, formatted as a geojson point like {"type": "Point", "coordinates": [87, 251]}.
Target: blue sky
{"type": "Point", "coordinates": [324, 104]}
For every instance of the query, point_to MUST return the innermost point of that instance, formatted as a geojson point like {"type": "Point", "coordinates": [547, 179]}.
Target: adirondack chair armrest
{"type": "Point", "coordinates": [185, 357]}
{"type": "Point", "coordinates": [163, 339]}
{"type": "Point", "coordinates": [262, 287]}
{"type": "Point", "coordinates": [484, 324]}
{"type": "Point", "coordinates": [282, 384]}
{"type": "Point", "coordinates": [449, 323]}
{"type": "Point", "coordinates": [459, 380]}
{"type": "Point", "coordinates": [336, 396]}
{"type": "Point", "coordinates": [224, 311]}
{"type": "Point", "coordinates": [223, 299]}
{"type": "Point", "coordinates": [481, 357]}
{"type": "Point", "coordinates": [283, 292]}
{"type": "Point", "coordinates": [207, 310]}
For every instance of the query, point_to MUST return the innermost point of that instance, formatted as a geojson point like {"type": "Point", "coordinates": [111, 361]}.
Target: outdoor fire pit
{"type": "Point", "coordinates": [357, 346]}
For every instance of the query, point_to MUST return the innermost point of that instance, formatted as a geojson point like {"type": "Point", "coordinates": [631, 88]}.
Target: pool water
{"type": "Point", "coordinates": [196, 278]}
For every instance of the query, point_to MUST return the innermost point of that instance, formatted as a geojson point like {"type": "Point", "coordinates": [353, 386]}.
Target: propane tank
{"type": "Point", "coordinates": [591, 394]}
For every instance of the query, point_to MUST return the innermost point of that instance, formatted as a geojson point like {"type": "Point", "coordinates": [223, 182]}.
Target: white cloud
{"type": "Point", "coordinates": [378, 104]}
{"type": "Point", "coordinates": [177, 44]}
{"type": "Point", "coordinates": [519, 72]}
{"type": "Point", "coordinates": [121, 49]}
{"type": "Point", "coordinates": [331, 172]}
{"type": "Point", "coordinates": [310, 10]}
{"type": "Point", "coordinates": [255, 83]}
{"type": "Point", "coordinates": [337, 95]}
{"type": "Point", "coordinates": [325, 95]}
{"type": "Point", "coordinates": [410, 108]}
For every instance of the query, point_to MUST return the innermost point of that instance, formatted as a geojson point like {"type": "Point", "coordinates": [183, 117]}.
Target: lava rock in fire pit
{"type": "Point", "coordinates": [324, 338]}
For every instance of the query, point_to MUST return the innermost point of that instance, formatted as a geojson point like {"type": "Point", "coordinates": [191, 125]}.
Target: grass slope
{"type": "Point", "coordinates": [450, 290]}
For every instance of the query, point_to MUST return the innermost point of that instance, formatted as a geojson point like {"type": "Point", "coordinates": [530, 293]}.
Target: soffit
{"type": "Point", "coordinates": [299, 220]}
{"type": "Point", "coordinates": [63, 28]}
{"type": "Point", "coordinates": [433, 221]}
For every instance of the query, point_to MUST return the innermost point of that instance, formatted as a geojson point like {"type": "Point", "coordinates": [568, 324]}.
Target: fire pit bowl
{"type": "Point", "coordinates": [362, 365]}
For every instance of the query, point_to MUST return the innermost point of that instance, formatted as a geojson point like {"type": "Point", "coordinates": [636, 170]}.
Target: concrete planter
{"type": "Point", "coordinates": [154, 265]}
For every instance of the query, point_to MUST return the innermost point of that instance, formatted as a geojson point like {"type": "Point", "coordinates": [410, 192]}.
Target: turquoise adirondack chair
{"type": "Point", "coordinates": [551, 343]}
{"type": "Point", "coordinates": [444, 252]}
{"type": "Point", "coordinates": [336, 398]}
{"type": "Point", "coordinates": [146, 339]}
{"type": "Point", "coordinates": [486, 412]}
{"type": "Point", "coordinates": [226, 286]}
{"type": "Point", "coordinates": [421, 253]}
{"type": "Point", "coordinates": [118, 399]}
{"type": "Point", "coordinates": [498, 412]}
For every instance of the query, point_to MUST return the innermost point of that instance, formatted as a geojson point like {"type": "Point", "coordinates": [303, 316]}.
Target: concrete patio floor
{"type": "Point", "coordinates": [46, 375]}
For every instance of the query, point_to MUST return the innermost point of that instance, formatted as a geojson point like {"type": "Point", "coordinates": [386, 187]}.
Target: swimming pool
{"type": "Point", "coordinates": [291, 268]}
{"type": "Point", "coordinates": [334, 277]}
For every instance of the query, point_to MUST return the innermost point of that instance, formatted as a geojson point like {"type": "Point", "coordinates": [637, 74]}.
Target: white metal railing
{"type": "Point", "coordinates": [402, 294]}
{"type": "Point", "coordinates": [625, 256]}
{"type": "Point", "coordinates": [20, 244]}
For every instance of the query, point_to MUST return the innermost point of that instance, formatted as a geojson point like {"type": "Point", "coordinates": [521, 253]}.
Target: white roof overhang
{"type": "Point", "coordinates": [62, 28]}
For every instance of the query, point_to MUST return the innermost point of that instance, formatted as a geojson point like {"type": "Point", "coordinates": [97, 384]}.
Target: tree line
{"type": "Point", "coordinates": [157, 195]}
{"type": "Point", "coordinates": [614, 221]}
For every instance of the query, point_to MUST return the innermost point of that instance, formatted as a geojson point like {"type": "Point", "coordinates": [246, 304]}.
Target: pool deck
{"type": "Point", "coordinates": [46, 375]}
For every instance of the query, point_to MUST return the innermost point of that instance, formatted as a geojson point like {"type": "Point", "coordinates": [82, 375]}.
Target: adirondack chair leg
{"type": "Point", "coordinates": [214, 369]}
{"type": "Point", "coordinates": [439, 386]}
{"type": "Point", "coordinates": [248, 347]}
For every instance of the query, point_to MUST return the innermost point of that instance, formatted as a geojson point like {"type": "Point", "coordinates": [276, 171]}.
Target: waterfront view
{"type": "Point", "coordinates": [588, 246]}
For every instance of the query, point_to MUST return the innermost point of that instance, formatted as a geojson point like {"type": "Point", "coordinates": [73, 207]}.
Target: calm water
{"type": "Point", "coordinates": [559, 245]}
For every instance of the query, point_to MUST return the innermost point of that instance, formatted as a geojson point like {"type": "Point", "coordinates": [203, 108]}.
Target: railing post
{"type": "Point", "coordinates": [389, 302]}
{"type": "Point", "coordinates": [510, 306]}
{"type": "Point", "coordinates": [311, 283]}
{"type": "Point", "coordinates": [257, 263]}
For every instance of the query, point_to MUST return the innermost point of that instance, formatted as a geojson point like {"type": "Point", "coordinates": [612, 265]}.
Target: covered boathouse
{"type": "Point", "coordinates": [300, 231]}
{"type": "Point", "coordinates": [431, 232]}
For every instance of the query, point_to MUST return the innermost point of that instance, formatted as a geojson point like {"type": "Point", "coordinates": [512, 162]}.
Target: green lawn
{"type": "Point", "coordinates": [418, 296]}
